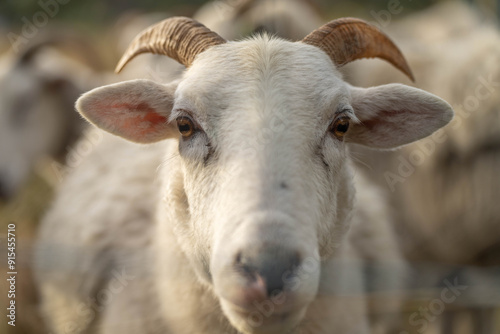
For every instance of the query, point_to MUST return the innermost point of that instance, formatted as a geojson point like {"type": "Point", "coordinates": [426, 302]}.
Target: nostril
{"type": "Point", "coordinates": [278, 274]}
{"type": "Point", "coordinates": [275, 267]}
{"type": "Point", "coordinates": [244, 266]}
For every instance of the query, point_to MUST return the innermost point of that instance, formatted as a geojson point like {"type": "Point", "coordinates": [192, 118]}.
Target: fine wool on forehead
{"type": "Point", "coordinates": [260, 65]}
{"type": "Point", "coordinates": [267, 52]}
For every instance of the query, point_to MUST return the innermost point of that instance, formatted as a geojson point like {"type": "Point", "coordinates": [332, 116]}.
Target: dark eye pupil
{"type": "Point", "coordinates": [343, 127]}
{"type": "Point", "coordinates": [184, 127]}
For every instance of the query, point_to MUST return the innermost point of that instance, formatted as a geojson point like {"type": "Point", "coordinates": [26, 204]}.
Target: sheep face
{"type": "Point", "coordinates": [257, 188]}
{"type": "Point", "coordinates": [265, 175]}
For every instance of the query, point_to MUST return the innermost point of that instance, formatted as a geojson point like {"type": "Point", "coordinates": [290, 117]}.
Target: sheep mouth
{"type": "Point", "coordinates": [264, 318]}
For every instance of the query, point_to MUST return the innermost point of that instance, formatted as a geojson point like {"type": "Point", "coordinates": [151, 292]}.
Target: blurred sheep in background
{"type": "Point", "coordinates": [38, 88]}
{"type": "Point", "coordinates": [452, 187]}
{"type": "Point", "coordinates": [289, 19]}
{"type": "Point", "coordinates": [38, 127]}
{"type": "Point", "coordinates": [445, 188]}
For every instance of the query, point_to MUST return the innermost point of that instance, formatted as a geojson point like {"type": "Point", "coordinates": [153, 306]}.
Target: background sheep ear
{"type": "Point", "coordinates": [394, 115]}
{"type": "Point", "coordinates": [137, 110]}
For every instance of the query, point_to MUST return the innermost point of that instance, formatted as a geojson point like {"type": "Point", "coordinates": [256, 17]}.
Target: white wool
{"type": "Point", "coordinates": [265, 169]}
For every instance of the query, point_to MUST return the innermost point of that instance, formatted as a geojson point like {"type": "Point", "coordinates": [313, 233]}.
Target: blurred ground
{"type": "Point", "coordinates": [25, 210]}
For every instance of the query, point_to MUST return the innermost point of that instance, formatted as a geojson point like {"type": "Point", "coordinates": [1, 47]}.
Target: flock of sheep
{"type": "Point", "coordinates": [265, 194]}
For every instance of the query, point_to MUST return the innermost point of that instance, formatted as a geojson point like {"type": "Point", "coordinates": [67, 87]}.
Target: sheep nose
{"type": "Point", "coordinates": [271, 267]}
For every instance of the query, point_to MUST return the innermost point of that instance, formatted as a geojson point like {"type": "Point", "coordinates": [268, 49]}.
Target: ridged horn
{"type": "Point", "coordinates": [348, 39]}
{"type": "Point", "coordinates": [180, 38]}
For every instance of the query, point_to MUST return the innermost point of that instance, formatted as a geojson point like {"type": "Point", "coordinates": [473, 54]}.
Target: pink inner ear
{"type": "Point", "coordinates": [140, 114]}
{"type": "Point", "coordinates": [138, 122]}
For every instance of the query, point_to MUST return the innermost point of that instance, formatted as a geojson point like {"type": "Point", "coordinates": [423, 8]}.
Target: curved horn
{"type": "Point", "coordinates": [180, 38]}
{"type": "Point", "coordinates": [348, 39]}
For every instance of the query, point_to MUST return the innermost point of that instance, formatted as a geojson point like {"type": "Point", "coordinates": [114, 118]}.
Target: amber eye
{"type": "Point", "coordinates": [340, 126]}
{"type": "Point", "coordinates": [185, 126]}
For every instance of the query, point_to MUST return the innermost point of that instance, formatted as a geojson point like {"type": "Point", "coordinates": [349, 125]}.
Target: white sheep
{"type": "Point", "coordinates": [38, 88]}
{"type": "Point", "coordinates": [445, 188]}
{"type": "Point", "coordinates": [232, 19]}
{"type": "Point", "coordinates": [239, 216]}
{"type": "Point", "coordinates": [451, 189]}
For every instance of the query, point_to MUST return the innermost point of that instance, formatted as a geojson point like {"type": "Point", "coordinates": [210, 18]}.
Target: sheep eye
{"type": "Point", "coordinates": [185, 126]}
{"type": "Point", "coordinates": [340, 126]}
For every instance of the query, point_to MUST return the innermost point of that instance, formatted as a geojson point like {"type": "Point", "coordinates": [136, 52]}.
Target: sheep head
{"type": "Point", "coordinates": [258, 181]}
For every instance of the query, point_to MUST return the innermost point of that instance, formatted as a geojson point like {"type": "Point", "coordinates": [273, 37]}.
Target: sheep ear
{"type": "Point", "coordinates": [394, 115]}
{"type": "Point", "coordinates": [137, 110]}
